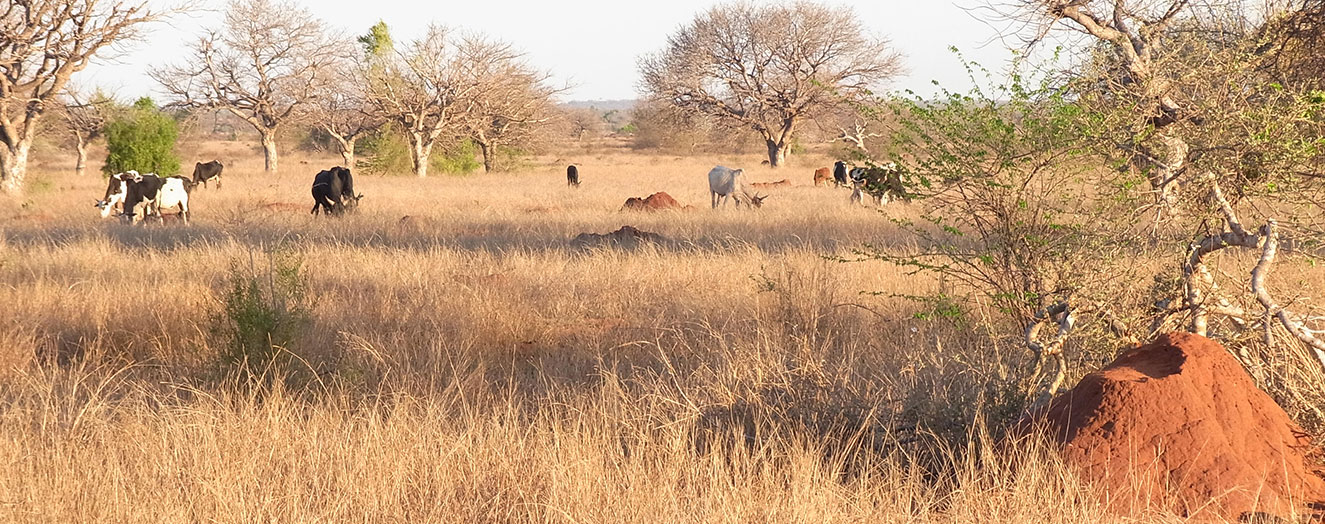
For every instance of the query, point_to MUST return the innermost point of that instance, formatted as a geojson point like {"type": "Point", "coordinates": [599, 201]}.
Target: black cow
{"type": "Point", "coordinates": [572, 176]}
{"type": "Point", "coordinates": [333, 192]}
{"type": "Point", "coordinates": [202, 173]}
{"type": "Point", "coordinates": [840, 174]}
{"type": "Point", "coordinates": [141, 189]}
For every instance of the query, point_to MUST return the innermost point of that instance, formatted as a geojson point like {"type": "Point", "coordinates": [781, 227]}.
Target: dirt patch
{"type": "Point", "coordinates": [771, 185]}
{"type": "Point", "coordinates": [656, 202]}
{"type": "Point", "coordinates": [627, 236]}
{"type": "Point", "coordinates": [283, 207]}
{"type": "Point", "coordinates": [1178, 425]}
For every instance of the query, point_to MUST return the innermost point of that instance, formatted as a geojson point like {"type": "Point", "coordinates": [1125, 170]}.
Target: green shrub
{"type": "Point", "coordinates": [265, 310]}
{"type": "Point", "coordinates": [386, 152]}
{"type": "Point", "coordinates": [141, 138]}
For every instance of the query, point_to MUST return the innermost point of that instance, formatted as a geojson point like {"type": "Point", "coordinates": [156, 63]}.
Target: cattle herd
{"type": "Point", "coordinates": [334, 194]}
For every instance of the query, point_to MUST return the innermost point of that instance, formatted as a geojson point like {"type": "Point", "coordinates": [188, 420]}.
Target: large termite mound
{"type": "Point", "coordinates": [1178, 425]}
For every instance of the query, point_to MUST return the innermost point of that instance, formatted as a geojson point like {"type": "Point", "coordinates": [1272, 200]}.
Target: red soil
{"type": "Point", "coordinates": [1178, 425]}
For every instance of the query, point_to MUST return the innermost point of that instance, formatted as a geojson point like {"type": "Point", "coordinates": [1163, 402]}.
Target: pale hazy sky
{"type": "Point", "coordinates": [593, 44]}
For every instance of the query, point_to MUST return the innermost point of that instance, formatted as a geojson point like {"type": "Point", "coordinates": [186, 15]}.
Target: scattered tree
{"type": "Point", "coordinates": [141, 138]}
{"type": "Point", "coordinates": [85, 119]}
{"type": "Point", "coordinates": [768, 68]}
{"type": "Point", "coordinates": [43, 43]}
{"type": "Point", "coordinates": [342, 112]}
{"type": "Point", "coordinates": [513, 103]}
{"type": "Point", "coordinates": [428, 89]}
{"type": "Point", "coordinates": [270, 61]}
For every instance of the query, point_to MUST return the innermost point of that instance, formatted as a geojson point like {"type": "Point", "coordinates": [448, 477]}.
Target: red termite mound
{"type": "Point", "coordinates": [1178, 425]}
{"type": "Point", "coordinates": [656, 202]}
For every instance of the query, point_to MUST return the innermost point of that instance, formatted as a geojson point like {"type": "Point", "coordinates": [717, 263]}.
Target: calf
{"type": "Point", "coordinates": [724, 182]}
{"type": "Point", "coordinates": [572, 176]}
{"type": "Point", "coordinates": [822, 175]}
{"type": "Point", "coordinates": [203, 173]}
{"type": "Point", "coordinates": [333, 192]}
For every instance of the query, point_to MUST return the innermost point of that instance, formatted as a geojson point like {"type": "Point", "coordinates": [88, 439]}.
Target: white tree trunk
{"type": "Point", "coordinates": [269, 150]}
{"type": "Point", "coordinates": [81, 167]}
{"type": "Point", "coordinates": [489, 153]}
{"type": "Point", "coordinates": [347, 151]}
{"type": "Point", "coordinates": [777, 152]}
{"type": "Point", "coordinates": [14, 167]}
{"type": "Point", "coordinates": [420, 151]}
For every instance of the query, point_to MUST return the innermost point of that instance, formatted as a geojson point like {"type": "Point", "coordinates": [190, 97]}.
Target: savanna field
{"type": "Point", "coordinates": [468, 364]}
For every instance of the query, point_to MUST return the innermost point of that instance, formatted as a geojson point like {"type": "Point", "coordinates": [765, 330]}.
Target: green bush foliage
{"type": "Point", "coordinates": [141, 138]}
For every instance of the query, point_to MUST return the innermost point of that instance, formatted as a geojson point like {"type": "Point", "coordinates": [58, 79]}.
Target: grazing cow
{"type": "Point", "coordinates": [333, 192]}
{"type": "Point", "coordinates": [883, 183]}
{"type": "Point", "coordinates": [724, 182]}
{"type": "Point", "coordinates": [822, 175]}
{"type": "Point", "coordinates": [140, 190]}
{"type": "Point", "coordinates": [840, 174]}
{"type": "Point", "coordinates": [203, 173]}
{"type": "Point", "coordinates": [116, 191]}
{"type": "Point", "coordinates": [572, 176]}
{"type": "Point", "coordinates": [174, 193]}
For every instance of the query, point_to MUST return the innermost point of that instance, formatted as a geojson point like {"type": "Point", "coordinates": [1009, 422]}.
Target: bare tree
{"type": "Point", "coordinates": [428, 89]}
{"type": "Point", "coordinates": [1138, 38]}
{"type": "Point", "coordinates": [269, 61]}
{"type": "Point", "coordinates": [43, 43]}
{"type": "Point", "coordinates": [343, 112]}
{"type": "Point", "coordinates": [581, 122]}
{"type": "Point", "coordinates": [768, 67]}
{"type": "Point", "coordinates": [514, 100]}
{"type": "Point", "coordinates": [85, 118]}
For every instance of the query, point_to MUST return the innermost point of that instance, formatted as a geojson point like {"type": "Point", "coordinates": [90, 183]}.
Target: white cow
{"type": "Point", "coordinates": [174, 193]}
{"type": "Point", "coordinates": [724, 182]}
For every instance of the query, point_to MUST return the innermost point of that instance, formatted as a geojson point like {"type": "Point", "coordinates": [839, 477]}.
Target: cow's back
{"type": "Point", "coordinates": [722, 180]}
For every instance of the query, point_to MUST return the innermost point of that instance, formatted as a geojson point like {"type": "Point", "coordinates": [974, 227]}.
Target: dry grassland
{"type": "Point", "coordinates": [468, 365]}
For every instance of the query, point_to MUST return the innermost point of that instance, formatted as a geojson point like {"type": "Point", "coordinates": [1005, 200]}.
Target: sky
{"type": "Point", "coordinates": [594, 44]}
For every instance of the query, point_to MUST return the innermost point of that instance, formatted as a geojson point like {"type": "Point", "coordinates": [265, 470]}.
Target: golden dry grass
{"type": "Point", "coordinates": [468, 365]}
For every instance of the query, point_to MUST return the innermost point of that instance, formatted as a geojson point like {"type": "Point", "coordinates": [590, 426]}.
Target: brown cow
{"type": "Point", "coordinates": [822, 175]}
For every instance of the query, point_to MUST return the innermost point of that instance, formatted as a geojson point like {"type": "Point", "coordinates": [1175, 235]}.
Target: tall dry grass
{"type": "Point", "coordinates": [469, 365]}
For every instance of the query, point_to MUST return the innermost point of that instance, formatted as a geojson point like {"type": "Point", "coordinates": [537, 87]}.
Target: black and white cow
{"type": "Point", "coordinates": [333, 192]}
{"type": "Point", "coordinates": [840, 174]}
{"type": "Point", "coordinates": [116, 191]}
{"type": "Point", "coordinates": [129, 189]}
{"type": "Point", "coordinates": [572, 176]}
{"type": "Point", "coordinates": [174, 194]}
{"type": "Point", "coordinates": [883, 183]}
{"type": "Point", "coordinates": [203, 173]}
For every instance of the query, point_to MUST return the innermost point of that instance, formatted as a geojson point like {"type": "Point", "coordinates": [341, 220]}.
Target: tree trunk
{"type": "Point", "coordinates": [81, 167]}
{"type": "Point", "coordinates": [420, 151]}
{"type": "Point", "coordinates": [1162, 169]}
{"type": "Point", "coordinates": [488, 153]}
{"type": "Point", "coordinates": [13, 167]}
{"type": "Point", "coordinates": [347, 152]}
{"type": "Point", "coordinates": [269, 150]}
{"type": "Point", "coordinates": [777, 152]}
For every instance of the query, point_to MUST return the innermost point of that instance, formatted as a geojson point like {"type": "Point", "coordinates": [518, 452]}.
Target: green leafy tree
{"type": "Point", "coordinates": [141, 138]}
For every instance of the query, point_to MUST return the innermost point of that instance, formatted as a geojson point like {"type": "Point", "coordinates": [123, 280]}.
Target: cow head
{"type": "Point", "coordinates": [351, 202]}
